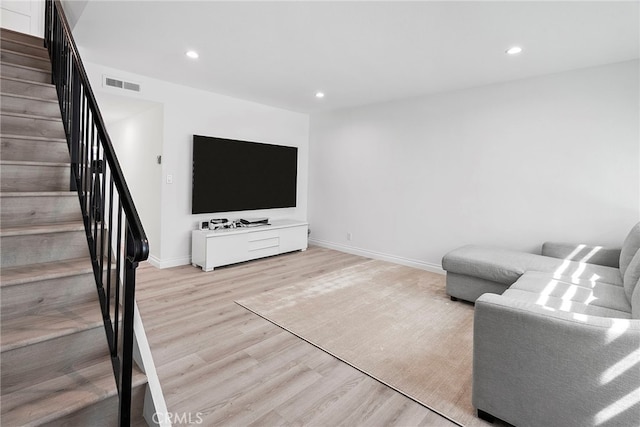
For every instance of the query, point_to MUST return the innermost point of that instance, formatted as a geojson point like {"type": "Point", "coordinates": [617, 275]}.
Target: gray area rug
{"type": "Point", "coordinates": [392, 322]}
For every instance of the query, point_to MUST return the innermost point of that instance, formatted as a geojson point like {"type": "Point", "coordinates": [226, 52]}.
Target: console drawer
{"type": "Point", "coordinates": [263, 235]}
{"type": "Point", "coordinates": [268, 242]}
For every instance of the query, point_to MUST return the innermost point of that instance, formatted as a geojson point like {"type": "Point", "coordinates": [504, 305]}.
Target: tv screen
{"type": "Point", "coordinates": [231, 175]}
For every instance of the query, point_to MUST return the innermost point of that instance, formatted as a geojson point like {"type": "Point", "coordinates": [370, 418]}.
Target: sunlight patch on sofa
{"type": "Point", "coordinates": [567, 298]}
{"type": "Point", "coordinates": [544, 295]}
{"type": "Point", "coordinates": [579, 271]}
{"type": "Point", "coordinates": [617, 407]}
{"type": "Point", "coordinates": [576, 251]}
{"type": "Point", "coordinates": [594, 279]}
{"type": "Point", "coordinates": [549, 287]}
{"type": "Point", "coordinates": [591, 253]}
{"type": "Point", "coordinates": [558, 273]}
{"type": "Point", "coordinates": [590, 299]}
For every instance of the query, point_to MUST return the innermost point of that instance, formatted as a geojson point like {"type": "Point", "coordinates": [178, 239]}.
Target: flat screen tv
{"type": "Point", "coordinates": [231, 175]}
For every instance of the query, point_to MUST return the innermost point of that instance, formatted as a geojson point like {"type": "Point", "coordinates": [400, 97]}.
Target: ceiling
{"type": "Point", "coordinates": [281, 53]}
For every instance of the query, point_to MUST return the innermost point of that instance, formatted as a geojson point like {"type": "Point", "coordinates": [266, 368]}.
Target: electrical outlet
{"type": "Point", "coordinates": [169, 179]}
{"type": "Point", "coordinates": [349, 236]}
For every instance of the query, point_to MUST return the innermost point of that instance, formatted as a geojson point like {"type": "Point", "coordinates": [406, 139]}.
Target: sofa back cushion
{"type": "Point", "coordinates": [632, 275]}
{"type": "Point", "coordinates": [629, 248]}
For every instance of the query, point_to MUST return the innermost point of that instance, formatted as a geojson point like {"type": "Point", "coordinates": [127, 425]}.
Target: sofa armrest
{"type": "Point", "coordinates": [609, 257]}
{"type": "Point", "coordinates": [534, 366]}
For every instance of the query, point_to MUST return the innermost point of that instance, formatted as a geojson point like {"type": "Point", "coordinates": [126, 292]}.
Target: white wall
{"type": "Point", "coordinates": [513, 164]}
{"type": "Point", "coordinates": [24, 16]}
{"type": "Point", "coordinates": [138, 140]}
{"type": "Point", "coordinates": [73, 9]}
{"type": "Point", "coordinates": [189, 111]}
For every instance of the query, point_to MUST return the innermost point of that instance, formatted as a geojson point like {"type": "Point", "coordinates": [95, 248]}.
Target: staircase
{"type": "Point", "coordinates": [56, 367]}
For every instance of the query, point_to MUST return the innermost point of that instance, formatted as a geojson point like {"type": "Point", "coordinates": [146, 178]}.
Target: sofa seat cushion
{"type": "Point", "coordinates": [594, 293]}
{"type": "Point", "coordinates": [585, 273]}
{"type": "Point", "coordinates": [587, 277]}
{"type": "Point", "coordinates": [506, 266]}
{"type": "Point", "coordinates": [559, 304]}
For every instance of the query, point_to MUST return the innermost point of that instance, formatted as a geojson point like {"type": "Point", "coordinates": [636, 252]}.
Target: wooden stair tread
{"type": "Point", "coordinates": [26, 55]}
{"type": "Point", "coordinates": [13, 51]}
{"type": "Point", "coordinates": [58, 397]}
{"type": "Point", "coordinates": [28, 98]}
{"type": "Point", "coordinates": [30, 329]}
{"type": "Point", "coordinates": [32, 137]}
{"type": "Point", "coordinates": [26, 67]}
{"type": "Point", "coordinates": [30, 163]}
{"type": "Point", "coordinates": [38, 194]}
{"type": "Point", "coordinates": [42, 228]}
{"type": "Point", "coordinates": [7, 39]}
{"type": "Point", "coordinates": [14, 86]}
{"type": "Point", "coordinates": [41, 63]}
{"type": "Point", "coordinates": [31, 116]}
{"type": "Point", "coordinates": [25, 74]}
{"type": "Point", "coordinates": [11, 276]}
{"type": "Point", "coordinates": [13, 35]}
{"type": "Point", "coordinates": [18, 79]}
{"type": "Point", "coordinates": [19, 207]}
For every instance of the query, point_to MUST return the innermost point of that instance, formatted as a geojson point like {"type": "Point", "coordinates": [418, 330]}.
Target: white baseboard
{"type": "Point", "coordinates": [434, 268]}
{"type": "Point", "coordinates": [154, 261]}
{"type": "Point", "coordinates": [168, 263]}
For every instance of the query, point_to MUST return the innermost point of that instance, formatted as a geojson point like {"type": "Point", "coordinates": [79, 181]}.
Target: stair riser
{"type": "Point", "coordinates": [26, 48]}
{"type": "Point", "coordinates": [30, 106]}
{"type": "Point", "coordinates": [26, 365]}
{"type": "Point", "coordinates": [8, 70]}
{"type": "Point", "coordinates": [28, 210]}
{"type": "Point", "coordinates": [28, 150]}
{"type": "Point", "coordinates": [28, 61]}
{"type": "Point", "coordinates": [34, 297]}
{"type": "Point", "coordinates": [21, 37]}
{"type": "Point", "coordinates": [105, 412]}
{"type": "Point", "coordinates": [22, 87]}
{"type": "Point", "coordinates": [31, 126]}
{"type": "Point", "coordinates": [36, 248]}
{"type": "Point", "coordinates": [34, 178]}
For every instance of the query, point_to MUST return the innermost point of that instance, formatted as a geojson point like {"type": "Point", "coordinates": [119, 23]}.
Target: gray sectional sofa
{"type": "Point", "coordinates": [556, 335]}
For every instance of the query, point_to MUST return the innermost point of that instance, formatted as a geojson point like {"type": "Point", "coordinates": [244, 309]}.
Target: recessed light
{"type": "Point", "coordinates": [192, 54]}
{"type": "Point", "coordinates": [514, 50]}
{"type": "Point", "coordinates": [319, 94]}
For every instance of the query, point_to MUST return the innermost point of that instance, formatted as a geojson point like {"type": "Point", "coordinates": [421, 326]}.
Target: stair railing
{"type": "Point", "coordinates": [117, 241]}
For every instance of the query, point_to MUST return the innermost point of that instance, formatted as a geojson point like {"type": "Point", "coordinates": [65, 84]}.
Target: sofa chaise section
{"type": "Point", "coordinates": [474, 270]}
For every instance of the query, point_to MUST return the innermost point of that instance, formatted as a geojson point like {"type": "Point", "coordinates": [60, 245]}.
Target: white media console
{"type": "Point", "coordinates": [215, 248]}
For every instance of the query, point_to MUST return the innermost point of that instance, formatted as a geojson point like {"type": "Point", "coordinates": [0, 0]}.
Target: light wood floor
{"type": "Point", "coordinates": [228, 367]}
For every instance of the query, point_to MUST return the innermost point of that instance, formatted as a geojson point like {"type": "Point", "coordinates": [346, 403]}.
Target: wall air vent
{"type": "Point", "coordinates": [120, 84]}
